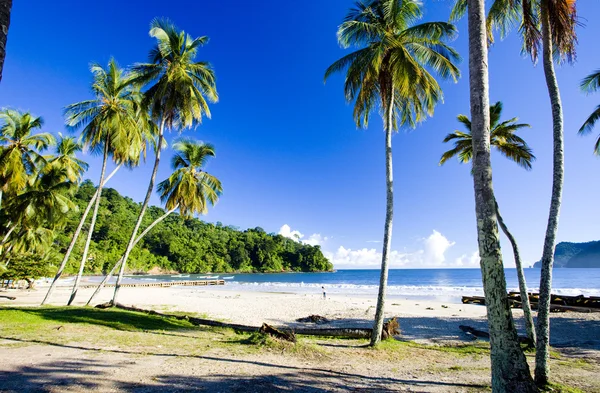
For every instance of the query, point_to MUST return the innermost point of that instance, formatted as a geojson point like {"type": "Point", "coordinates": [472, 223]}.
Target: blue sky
{"type": "Point", "coordinates": [288, 153]}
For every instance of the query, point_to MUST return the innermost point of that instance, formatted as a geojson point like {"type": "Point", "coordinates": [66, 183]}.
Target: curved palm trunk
{"type": "Point", "coordinates": [389, 215]}
{"type": "Point", "coordinates": [75, 237]}
{"type": "Point", "coordinates": [142, 211]}
{"type": "Point", "coordinates": [88, 240]}
{"type": "Point", "coordinates": [529, 327]}
{"type": "Point", "coordinates": [5, 6]}
{"type": "Point", "coordinates": [110, 274]}
{"type": "Point", "coordinates": [10, 231]}
{"type": "Point", "coordinates": [542, 370]}
{"type": "Point", "coordinates": [510, 372]}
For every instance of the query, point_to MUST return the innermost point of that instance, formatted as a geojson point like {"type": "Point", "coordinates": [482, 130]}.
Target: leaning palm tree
{"type": "Point", "coordinates": [111, 125]}
{"type": "Point", "coordinates": [5, 6]}
{"type": "Point", "coordinates": [65, 158]}
{"type": "Point", "coordinates": [189, 189]}
{"type": "Point", "coordinates": [590, 84]}
{"type": "Point", "coordinates": [179, 88]}
{"type": "Point", "coordinates": [20, 149]}
{"type": "Point", "coordinates": [513, 147]}
{"type": "Point", "coordinates": [391, 70]}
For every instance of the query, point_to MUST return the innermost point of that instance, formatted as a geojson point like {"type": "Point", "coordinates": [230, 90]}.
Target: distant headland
{"type": "Point", "coordinates": [576, 255]}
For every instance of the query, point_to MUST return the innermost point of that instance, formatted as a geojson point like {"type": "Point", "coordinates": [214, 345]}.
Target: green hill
{"type": "Point", "coordinates": [576, 255]}
{"type": "Point", "coordinates": [180, 245]}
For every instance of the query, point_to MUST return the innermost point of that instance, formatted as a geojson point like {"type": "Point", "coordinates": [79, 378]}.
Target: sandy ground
{"type": "Point", "coordinates": [420, 320]}
{"type": "Point", "coordinates": [46, 366]}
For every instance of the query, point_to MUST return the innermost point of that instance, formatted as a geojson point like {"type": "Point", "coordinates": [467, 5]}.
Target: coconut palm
{"type": "Point", "coordinates": [513, 147]}
{"type": "Point", "coordinates": [391, 69]}
{"type": "Point", "coordinates": [177, 96]}
{"type": "Point", "coordinates": [590, 84]}
{"type": "Point", "coordinates": [189, 189]}
{"type": "Point", "coordinates": [66, 149]}
{"type": "Point", "coordinates": [110, 124]}
{"type": "Point", "coordinates": [5, 6]}
{"type": "Point", "coordinates": [20, 149]}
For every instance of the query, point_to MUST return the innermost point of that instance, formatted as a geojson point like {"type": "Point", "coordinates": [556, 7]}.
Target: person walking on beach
{"type": "Point", "coordinates": [324, 294]}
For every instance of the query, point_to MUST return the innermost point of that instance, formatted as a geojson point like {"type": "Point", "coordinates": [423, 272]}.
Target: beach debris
{"type": "Point", "coordinates": [558, 303]}
{"type": "Point", "coordinates": [8, 297]}
{"type": "Point", "coordinates": [391, 328]}
{"type": "Point", "coordinates": [272, 331]}
{"type": "Point", "coordinates": [474, 333]}
{"type": "Point", "coordinates": [444, 306]}
{"type": "Point", "coordinates": [429, 308]}
{"type": "Point", "coordinates": [318, 319]}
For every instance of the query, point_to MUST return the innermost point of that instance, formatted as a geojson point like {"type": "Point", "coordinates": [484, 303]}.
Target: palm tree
{"type": "Point", "coordinates": [19, 149]}
{"type": "Point", "coordinates": [65, 158]}
{"type": "Point", "coordinates": [5, 6]}
{"type": "Point", "coordinates": [510, 371]}
{"type": "Point", "coordinates": [590, 84]}
{"type": "Point", "coordinates": [111, 125]}
{"type": "Point", "coordinates": [189, 189]}
{"type": "Point", "coordinates": [513, 147]}
{"type": "Point", "coordinates": [176, 98]}
{"type": "Point", "coordinates": [391, 69]}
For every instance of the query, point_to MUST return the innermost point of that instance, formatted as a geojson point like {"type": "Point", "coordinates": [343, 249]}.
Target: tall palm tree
{"type": "Point", "coordinates": [65, 158]}
{"type": "Point", "coordinates": [590, 84]}
{"type": "Point", "coordinates": [513, 147]}
{"type": "Point", "coordinates": [189, 189]}
{"type": "Point", "coordinates": [110, 124]}
{"type": "Point", "coordinates": [391, 69]}
{"type": "Point", "coordinates": [20, 149]}
{"type": "Point", "coordinates": [179, 88]}
{"type": "Point", "coordinates": [5, 6]}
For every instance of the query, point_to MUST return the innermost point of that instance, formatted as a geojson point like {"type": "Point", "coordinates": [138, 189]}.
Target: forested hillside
{"type": "Point", "coordinates": [576, 255]}
{"type": "Point", "coordinates": [186, 246]}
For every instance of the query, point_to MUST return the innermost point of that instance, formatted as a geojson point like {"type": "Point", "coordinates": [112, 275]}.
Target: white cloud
{"type": "Point", "coordinates": [314, 240]}
{"type": "Point", "coordinates": [432, 254]}
{"type": "Point", "coordinates": [373, 241]}
{"type": "Point", "coordinates": [468, 260]}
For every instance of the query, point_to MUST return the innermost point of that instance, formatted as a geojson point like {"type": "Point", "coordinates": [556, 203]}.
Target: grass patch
{"type": "Point", "coordinates": [560, 388]}
{"type": "Point", "coordinates": [467, 349]}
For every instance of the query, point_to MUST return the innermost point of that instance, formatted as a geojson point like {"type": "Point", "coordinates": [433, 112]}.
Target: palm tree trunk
{"type": "Point", "coordinates": [529, 327]}
{"type": "Point", "coordinates": [5, 6]}
{"type": "Point", "coordinates": [109, 275]}
{"type": "Point", "coordinates": [88, 240]}
{"type": "Point", "coordinates": [10, 230]}
{"type": "Point", "coordinates": [389, 215]}
{"type": "Point", "coordinates": [142, 211]}
{"type": "Point", "coordinates": [75, 237]}
{"type": "Point", "coordinates": [542, 371]}
{"type": "Point", "coordinates": [510, 372]}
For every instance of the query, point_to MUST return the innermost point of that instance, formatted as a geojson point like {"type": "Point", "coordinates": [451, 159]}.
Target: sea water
{"type": "Point", "coordinates": [448, 284]}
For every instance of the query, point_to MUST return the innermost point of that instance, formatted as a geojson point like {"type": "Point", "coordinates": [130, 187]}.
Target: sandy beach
{"type": "Point", "coordinates": [424, 321]}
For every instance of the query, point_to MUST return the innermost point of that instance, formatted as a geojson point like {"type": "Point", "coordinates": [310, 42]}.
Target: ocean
{"type": "Point", "coordinates": [446, 284]}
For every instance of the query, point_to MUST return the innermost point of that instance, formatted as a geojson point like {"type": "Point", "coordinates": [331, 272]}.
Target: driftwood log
{"type": "Point", "coordinates": [326, 332]}
{"type": "Point", "coordinates": [8, 297]}
{"type": "Point", "coordinates": [476, 333]}
{"type": "Point", "coordinates": [515, 302]}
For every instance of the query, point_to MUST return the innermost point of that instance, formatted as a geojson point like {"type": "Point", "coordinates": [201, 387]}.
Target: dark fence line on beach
{"type": "Point", "coordinates": [163, 284]}
{"type": "Point", "coordinates": [558, 303]}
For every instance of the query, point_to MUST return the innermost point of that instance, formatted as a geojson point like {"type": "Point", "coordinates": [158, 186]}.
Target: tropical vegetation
{"type": "Point", "coordinates": [590, 84]}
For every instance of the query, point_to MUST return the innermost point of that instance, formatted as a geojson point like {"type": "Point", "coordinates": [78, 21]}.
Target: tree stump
{"type": "Point", "coordinates": [270, 330]}
{"type": "Point", "coordinates": [391, 328]}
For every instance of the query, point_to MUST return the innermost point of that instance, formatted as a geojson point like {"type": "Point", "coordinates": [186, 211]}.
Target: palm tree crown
{"type": "Point", "coordinates": [180, 86]}
{"type": "Point", "coordinates": [112, 121]}
{"type": "Point", "coordinates": [65, 158]}
{"type": "Point", "coordinates": [502, 137]}
{"type": "Point", "coordinates": [393, 60]}
{"type": "Point", "coordinates": [19, 149]}
{"type": "Point", "coordinates": [591, 83]}
{"type": "Point", "coordinates": [190, 187]}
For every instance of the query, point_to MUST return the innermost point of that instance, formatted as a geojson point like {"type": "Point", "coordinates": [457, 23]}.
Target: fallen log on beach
{"type": "Point", "coordinates": [326, 332]}
{"type": "Point", "coordinates": [8, 297]}
{"type": "Point", "coordinates": [559, 303]}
